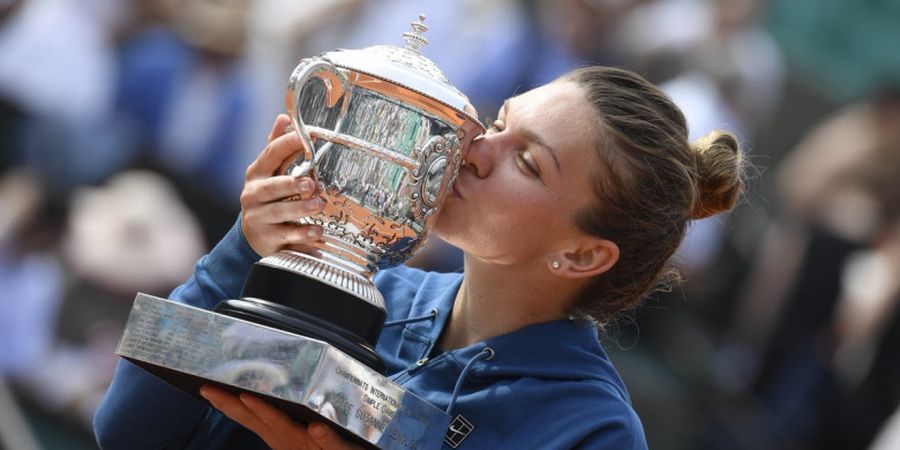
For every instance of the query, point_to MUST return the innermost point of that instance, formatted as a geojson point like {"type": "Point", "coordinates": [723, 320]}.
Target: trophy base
{"type": "Point", "coordinates": [295, 321]}
{"type": "Point", "coordinates": [308, 378]}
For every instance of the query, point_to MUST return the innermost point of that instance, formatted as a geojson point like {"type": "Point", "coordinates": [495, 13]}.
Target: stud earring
{"type": "Point", "coordinates": [555, 265]}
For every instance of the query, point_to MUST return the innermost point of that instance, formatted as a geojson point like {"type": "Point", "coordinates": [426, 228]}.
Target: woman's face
{"type": "Point", "coordinates": [514, 201]}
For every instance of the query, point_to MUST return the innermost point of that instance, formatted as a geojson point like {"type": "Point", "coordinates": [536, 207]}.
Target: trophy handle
{"type": "Point", "coordinates": [335, 85]}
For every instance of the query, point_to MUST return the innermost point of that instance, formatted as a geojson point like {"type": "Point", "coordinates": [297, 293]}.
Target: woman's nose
{"type": "Point", "coordinates": [480, 156]}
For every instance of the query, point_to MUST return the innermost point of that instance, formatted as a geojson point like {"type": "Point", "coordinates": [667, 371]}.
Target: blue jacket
{"type": "Point", "coordinates": [545, 386]}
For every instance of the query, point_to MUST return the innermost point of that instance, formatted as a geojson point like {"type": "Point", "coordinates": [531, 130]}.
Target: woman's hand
{"type": "Point", "coordinates": [271, 202]}
{"type": "Point", "coordinates": [279, 431]}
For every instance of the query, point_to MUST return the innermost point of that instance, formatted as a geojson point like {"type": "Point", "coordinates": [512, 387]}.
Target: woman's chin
{"type": "Point", "coordinates": [446, 234]}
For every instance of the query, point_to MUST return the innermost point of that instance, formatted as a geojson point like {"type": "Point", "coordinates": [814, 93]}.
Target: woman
{"type": "Point", "coordinates": [567, 211]}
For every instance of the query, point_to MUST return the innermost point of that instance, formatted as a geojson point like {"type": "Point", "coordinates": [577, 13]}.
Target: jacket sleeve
{"type": "Point", "coordinates": [141, 411]}
{"type": "Point", "coordinates": [220, 274]}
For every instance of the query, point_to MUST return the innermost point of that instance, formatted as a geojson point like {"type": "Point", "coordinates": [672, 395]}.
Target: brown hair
{"type": "Point", "coordinates": [653, 182]}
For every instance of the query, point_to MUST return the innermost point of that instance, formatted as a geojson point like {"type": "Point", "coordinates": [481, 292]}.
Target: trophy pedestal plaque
{"type": "Point", "coordinates": [308, 378]}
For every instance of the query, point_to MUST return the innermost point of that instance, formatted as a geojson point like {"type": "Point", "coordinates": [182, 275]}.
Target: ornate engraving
{"type": "Point", "coordinates": [427, 179]}
{"type": "Point", "coordinates": [415, 39]}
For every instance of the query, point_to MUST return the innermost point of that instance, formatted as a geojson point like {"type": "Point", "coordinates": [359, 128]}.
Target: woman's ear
{"type": "Point", "coordinates": [592, 258]}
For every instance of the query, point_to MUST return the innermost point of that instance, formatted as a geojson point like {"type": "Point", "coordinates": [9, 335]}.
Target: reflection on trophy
{"type": "Point", "coordinates": [385, 134]}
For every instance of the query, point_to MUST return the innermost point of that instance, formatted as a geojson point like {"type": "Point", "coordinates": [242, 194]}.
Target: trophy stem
{"type": "Point", "coordinates": [339, 273]}
{"type": "Point", "coordinates": [311, 296]}
{"type": "Point", "coordinates": [348, 256]}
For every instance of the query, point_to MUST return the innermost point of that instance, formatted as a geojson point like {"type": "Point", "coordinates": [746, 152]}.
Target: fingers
{"type": "Point", "coordinates": [290, 431]}
{"type": "Point", "coordinates": [236, 410]}
{"type": "Point", "coordinates": [269, 239]}
{"type": "Point", "coordinates": [279, 212]}
{"type": "Point", "coordinates": [270, 208]}
{"type": "Point", "coordinates": [324, 436]}
{"type": "Point", "coordinates": [272, 203]}
{"type": "Point", "coordinates": [278, 128]}
{"type": "Point", "coordinates": [277, 429]}
{"type": "Point", "coordinates": [272, 189]}
{"type": "Point", "coordinates": [282, 147]}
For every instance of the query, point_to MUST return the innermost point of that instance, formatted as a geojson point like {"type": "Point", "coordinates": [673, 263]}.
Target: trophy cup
{"type": "Point", "coordinates": [384, 135]}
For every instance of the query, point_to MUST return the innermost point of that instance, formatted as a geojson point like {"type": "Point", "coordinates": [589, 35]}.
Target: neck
{"type": "Point", "coordinates": [495, 300]}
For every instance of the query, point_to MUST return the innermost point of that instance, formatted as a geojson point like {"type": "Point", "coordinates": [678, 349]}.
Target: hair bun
{"type": "Point", "coordinates": [720, 181]}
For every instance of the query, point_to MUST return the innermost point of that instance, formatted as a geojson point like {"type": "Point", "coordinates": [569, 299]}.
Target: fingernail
{"type": "Point", "coordinates": [313, 233]}
{"type": "Point", "coordinates": [305, 186]}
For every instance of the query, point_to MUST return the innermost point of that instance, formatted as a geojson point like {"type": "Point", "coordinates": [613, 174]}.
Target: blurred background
{"type": "Point", "coordinates": [126, 126]}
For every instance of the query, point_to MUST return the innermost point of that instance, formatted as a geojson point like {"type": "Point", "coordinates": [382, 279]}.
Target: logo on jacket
{"type": "Point", "coordinates": [459, 430]}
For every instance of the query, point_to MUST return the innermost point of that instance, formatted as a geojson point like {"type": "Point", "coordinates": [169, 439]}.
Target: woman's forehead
{"type": "Point", "coordinates": [559, 97]}
{"type": "Point", "coordinates": [559, 112]}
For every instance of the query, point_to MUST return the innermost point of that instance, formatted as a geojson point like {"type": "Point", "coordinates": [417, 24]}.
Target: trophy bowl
{"type": "Point", "coordinates": [384, 135]}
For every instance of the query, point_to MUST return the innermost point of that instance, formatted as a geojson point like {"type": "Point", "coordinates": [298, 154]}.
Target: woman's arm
{"type": "Point", "coordinates": [139, 410]}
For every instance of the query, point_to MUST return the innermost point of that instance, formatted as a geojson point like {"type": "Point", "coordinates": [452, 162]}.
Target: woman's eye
{"type": "Point", "coordinates": [497, 126]}
{"type": "Point", "coordinates": [527, 165]}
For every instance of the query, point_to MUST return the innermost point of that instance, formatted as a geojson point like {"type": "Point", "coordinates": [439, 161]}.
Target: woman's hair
{"type": "Point", "coordinates": [652, 182]}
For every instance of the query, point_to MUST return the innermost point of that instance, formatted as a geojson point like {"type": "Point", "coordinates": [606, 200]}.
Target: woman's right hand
{"type": "Point", "coordinates": [271, 202]}
{"type": "Point", "coordinates": [278, 430]}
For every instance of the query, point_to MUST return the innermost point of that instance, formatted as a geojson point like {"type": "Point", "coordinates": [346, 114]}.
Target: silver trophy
{"type": "Point", "coordinates": [385, 134]}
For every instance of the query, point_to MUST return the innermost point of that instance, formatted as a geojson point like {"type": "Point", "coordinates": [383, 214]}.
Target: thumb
{"type": "Point", "coordinates": [325, 436]}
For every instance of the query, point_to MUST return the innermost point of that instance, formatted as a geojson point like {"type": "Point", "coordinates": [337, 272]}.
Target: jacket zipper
{"type": "Point", "coordinates": [404, 376]}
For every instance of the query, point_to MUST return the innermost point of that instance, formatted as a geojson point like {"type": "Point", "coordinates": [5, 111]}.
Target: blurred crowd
{"type": "Point", "coordinates": [126, 127]}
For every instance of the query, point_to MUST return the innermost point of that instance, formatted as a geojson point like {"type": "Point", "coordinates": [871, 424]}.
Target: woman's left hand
{"type": "Point", "coordinates": [276, 428]}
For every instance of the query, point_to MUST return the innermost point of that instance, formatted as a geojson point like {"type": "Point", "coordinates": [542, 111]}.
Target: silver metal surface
{"type": "Point", "coordinates": [304, 372]}
{"type": "Point", "coordinates": [324, 271]}
{"type": "Point", "coordinates": [385, 135]}
{"type": "Point", "coordinates": [405, 66]}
